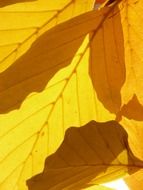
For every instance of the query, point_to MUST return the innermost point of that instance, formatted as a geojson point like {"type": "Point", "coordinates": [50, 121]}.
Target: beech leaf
{"type": "Point", "coordinates": [92, 154]}
{"type": "Point", "coordinates": [22, 23]}
{"type": "Point", "coordinates": [88, 68]}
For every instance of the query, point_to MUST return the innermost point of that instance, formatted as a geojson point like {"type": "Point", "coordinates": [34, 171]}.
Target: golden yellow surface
{"type": "Point", "coordinates": [57, 74]}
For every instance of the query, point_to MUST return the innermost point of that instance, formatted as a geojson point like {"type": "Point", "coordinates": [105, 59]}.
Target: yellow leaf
{"type": "Point", "coordinates": [44, 117]}
{"type": "Point", "coordinates": [99, 187]}
{"type": "Point", "coordinates": [117, 184]}
{"type": "Point", "coordinates": [135, 181]}
{"type": "Point", "coordinates": [121, 89]}
{"type": "Point", "coordinates": [22, 23]}
{"type": "Point", "coordinates": [131, 18]}
{"type": "Point", "coordinates": [132, 99]}
{"type": "Point", "coordinates": [92, 154]}
{"type": "Point", "coordinates": [73, 73]}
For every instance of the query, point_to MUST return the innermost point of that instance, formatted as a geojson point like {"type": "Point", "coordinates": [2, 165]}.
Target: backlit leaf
{"type": "Point", "coordinates": [124, 80]}
{"type": "Point", "coordinates": [81, 70]}
{"type": "Point", "coordinates": [99, 187]}
{"type": "Point", "coordinates": [135, 181]}
{"type": "Point", "coordinates": [44, 117]}
{"type": "Point", "coordinates": [22, 23]}
{"type": "Point", "coordinates": [93, 154]}
{"type": "Point", "coordinates": [132, 89]}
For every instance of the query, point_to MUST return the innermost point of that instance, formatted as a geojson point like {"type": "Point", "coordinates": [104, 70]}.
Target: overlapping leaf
{"type": "Point", "coordinates": [135, 181]}
{"type": "Point", "coordinates": [87, 156]}
{"type": "Point", "coordinates": [22, 23]}
{"type": "Point", "coordinates": [132, 88]}
{"type": "Point", "coordinates": [92, 44]}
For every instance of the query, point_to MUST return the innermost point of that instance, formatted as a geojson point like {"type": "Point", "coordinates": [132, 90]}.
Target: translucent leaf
{"type": "Point", "coordinates": [44, 117]}
{"type": "Point", "coordinates": [124, 77]}
{"type": "Point", "coordinates": [42, 62]}
{"type": "Point", "coordinates": [117, 184]}
{"type": "Point", "coordinates": [73, 73]}
{"type": "Point", "coordinates": [131, 92]}
{"type": "Point", "coordinates": [135, 181]}
{"type": "Point", "coordinates": [99, 187]}
{"type": "Point", "coordinates": [22, 23]}
{"type": "Point", "coordinates": [87, 156]}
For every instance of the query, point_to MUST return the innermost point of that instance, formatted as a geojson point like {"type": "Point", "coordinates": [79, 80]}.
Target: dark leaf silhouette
{"type": "Point", "coordinates": [133, 109]}
{"type": "Point", "coordinates": [31, 72]}
{"type": "Point", "coordinates": [91, 154]}
{"type": "Point", "coordinates": [56, 49]}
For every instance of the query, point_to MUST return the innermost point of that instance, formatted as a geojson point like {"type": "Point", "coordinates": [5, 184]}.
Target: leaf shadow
{"type": "Point", "coordinates": [55, 50]}
{"type": "Point", "coordinates": [107, 61]}
{"type": "Point", "coordinates": [50, 53]}
{"type": "Point", "coordinates": [10, 2]}
{"type": "Point", "coordinates": [84, 157]}
{"type": "Point", "coordinates": [33, 70]}
{"type": "Point", "coordinates": [132, 110]}
{"type": "Point", "coordinates": [107, 68]}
